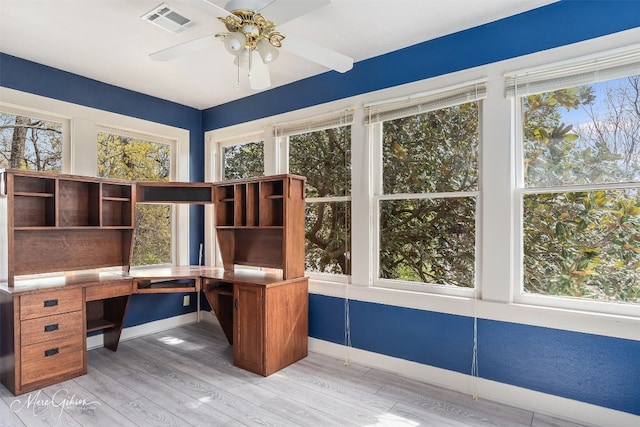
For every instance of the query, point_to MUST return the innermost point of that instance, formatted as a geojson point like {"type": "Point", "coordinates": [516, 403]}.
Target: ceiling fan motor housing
{"type": "Point", "coordinates": [254, 5]}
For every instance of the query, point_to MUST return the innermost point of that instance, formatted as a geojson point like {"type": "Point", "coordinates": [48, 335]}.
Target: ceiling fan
{"type": "Point", "coordinates": [254, 41]}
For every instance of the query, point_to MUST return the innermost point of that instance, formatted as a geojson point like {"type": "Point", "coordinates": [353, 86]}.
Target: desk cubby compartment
{"type": "Point", "coordinates": [116, 205]}
{"type": "Point", "coordinates": [272, 203]}
{"type": "Point", "coordinates": [252, 205]}
{"type": "Point", "coordinates": [78, 203]}
{"type": "Point", "coordinates": [224, 205]}
{"type": "Point", "coordinates": [30, 185]}
{"type": "Point", "coordinates": [174, 192]}
{"type": "Point", "coordinates": [34, 203]}
{"type": "Point", "coordinates": [219, 294]}
{"type": "Point", "coordinates": [106, 306]}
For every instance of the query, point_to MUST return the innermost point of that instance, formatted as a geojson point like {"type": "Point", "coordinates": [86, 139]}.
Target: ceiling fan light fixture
{"type": "Point", "coordinates": [235, 43]}
{"type": "Point", "coordinates": [267, 51]}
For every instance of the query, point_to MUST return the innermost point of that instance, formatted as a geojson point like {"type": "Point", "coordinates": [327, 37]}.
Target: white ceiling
{"type": "Point", "coordinates": [107, 41]}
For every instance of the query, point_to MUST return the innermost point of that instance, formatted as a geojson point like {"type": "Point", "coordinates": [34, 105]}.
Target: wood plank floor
{"type": "Point", "coordinates": [184, 377]}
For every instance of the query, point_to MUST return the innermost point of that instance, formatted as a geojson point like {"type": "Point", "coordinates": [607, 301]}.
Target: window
{"type": "Point", "coordinates": [142, 160]}
{"type": "Point", "coordinates": [30, 143]}
{"type": "Point", "coordinates": [581, 183]}
{"type": "Point", "coordinates": [427, 188]}
{"type": "Point", "coordinates": [243, 160]}
{"type": "Point", "coordinates": [321, 151]}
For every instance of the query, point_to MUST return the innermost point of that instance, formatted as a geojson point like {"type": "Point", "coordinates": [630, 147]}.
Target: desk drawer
{"type": "Point", "coordinates": [51, 327]}
{"type": "Point", "coordinates": [48, 303]}
{"type": "Point", "coordinates": [52, 358]}
{"type": "Point", "coordinates": [98, 292]}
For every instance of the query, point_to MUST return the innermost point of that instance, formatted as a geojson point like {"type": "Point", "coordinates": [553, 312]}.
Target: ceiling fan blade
{"type": "Point", "coordinates": [185, 48]}
{"type": "Point", "coordinates": [318, 54]}
{"type": "Point", "coordinates": [281, 11]}
{"type": "Point", "coordinates": [259, 75]}
{"type": "Point", "coordinates": [219, 11]}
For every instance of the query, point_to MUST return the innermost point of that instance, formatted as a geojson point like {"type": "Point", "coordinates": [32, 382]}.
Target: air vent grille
{"type": "Point", "coordinates": [168, 18]}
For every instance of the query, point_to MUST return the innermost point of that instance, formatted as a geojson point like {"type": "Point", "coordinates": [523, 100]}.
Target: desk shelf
{"type": "Point", "coordinates": [99, 325]}
{"type": "Point", "coordinates": [68, 222]}
{"type": "Point", "coordinates": [147, 286]}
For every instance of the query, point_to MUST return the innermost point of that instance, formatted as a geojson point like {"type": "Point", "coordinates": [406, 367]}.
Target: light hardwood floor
{"type": "Point", "coordinates": [184, 377]}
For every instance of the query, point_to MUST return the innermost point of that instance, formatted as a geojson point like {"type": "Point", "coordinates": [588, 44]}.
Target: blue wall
{"type": "Point", "coordinates": [589, 368]}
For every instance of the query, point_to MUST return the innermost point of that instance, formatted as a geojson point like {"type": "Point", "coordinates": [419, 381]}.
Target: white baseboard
{"type": "Point", "coordinates": [534, 401]}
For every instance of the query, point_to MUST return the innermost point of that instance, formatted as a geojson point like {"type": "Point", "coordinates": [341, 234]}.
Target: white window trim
{"type": "Point", "coordinates": [282, 133]}
{"type": "Point", "coordinates": [218, 168]}
{"type": "Point", "coordinates": [375, 115]}
{"type": "Point", "coordinates": [64, 121]}
{"type": "Point", "coordinates": [559, 75]}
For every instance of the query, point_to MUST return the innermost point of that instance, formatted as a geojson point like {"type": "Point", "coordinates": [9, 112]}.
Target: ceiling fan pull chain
{"type": "Point", "coordinates": [238, 77]}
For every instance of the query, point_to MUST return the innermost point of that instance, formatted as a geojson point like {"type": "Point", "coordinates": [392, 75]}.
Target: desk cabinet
{"type": "Point", "coordinates": [43, 338]}
{"type": "Point", "coordinates": [264, 317]}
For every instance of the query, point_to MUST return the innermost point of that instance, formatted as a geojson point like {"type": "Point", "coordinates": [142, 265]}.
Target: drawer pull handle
{"type": "Point", "coordinates": [51, 328]}
{"type": "Point", "coordinates": [50, 302]}
{"type": "Point", "coordinates": [51, 352]}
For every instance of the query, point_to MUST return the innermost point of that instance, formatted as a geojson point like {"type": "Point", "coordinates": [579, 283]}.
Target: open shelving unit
{"type": "Point", "coordinates": [260, 222]}
{"type": "Point", "coordinates": [72, 222]}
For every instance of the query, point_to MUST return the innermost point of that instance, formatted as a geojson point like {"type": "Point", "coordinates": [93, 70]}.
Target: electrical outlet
{"type": "Point", "coordinates": [186, 300]}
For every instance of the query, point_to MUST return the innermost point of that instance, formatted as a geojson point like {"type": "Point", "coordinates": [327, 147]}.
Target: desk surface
{"type": "Point", "coordinates": [26, 284]}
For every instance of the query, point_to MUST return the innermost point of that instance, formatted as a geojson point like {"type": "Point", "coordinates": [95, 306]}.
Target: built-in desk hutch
{"type": "Point", "coordinates": [59, 232]}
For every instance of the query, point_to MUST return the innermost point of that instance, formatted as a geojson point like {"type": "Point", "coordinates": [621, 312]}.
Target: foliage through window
{"type": "Point", "coordinates": [581, 203]}
{"type": "Point", "coordinates": [324, 158]}
{"type": "Point", "coordinates": [30, 143]}
{"type": "Point", "coordinates": [243, 160]}
{"type": "Point", "coordinates": [135, 159]}
{"type": "Point", "coordinates": [427, 211]}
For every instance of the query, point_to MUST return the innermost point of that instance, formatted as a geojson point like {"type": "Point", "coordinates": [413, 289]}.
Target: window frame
{"type": "Point", "coordinates": [432, 101]}
{"type": "Point", "coordinates": [615, 64]}
{"type": "Point", "coordinates": [221, 145]}
{"type": "Point", "coordinates": [64, 121]}
{"type": "Point", "coordinates": [282, 134]}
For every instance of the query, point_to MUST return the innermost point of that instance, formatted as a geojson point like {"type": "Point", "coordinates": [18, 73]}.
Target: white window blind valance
{"type": "Point", "coordinates": [329, 121]}
{"type": "Point", "coordinates": [417, 104]}
{"type": "Point", "coordinates": [578, 73]}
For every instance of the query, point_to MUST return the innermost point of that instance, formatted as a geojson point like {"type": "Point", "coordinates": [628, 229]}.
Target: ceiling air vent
{"type": "Point", "coordinates": [167, 18]}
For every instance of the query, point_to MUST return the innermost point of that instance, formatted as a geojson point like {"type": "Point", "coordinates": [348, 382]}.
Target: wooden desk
{"type": "Point", "coordinates": [44, 322]}
{"type": "Point", "coordinates": [44, 319]}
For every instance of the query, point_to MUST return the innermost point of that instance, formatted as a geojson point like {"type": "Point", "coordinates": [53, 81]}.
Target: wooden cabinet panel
{"type": "Point", "coordinates": [52, 358]}
{"type": "Point", "coordinates": [49, 303]}
{"type": "Point", "coordinates": [103, 291]}
{"type": "Point", "coordinates": [286, 324]}
{"type": "Point", "coordinates": [248, 326]}
{"type": "Point", "coordinates": [51, 328]}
